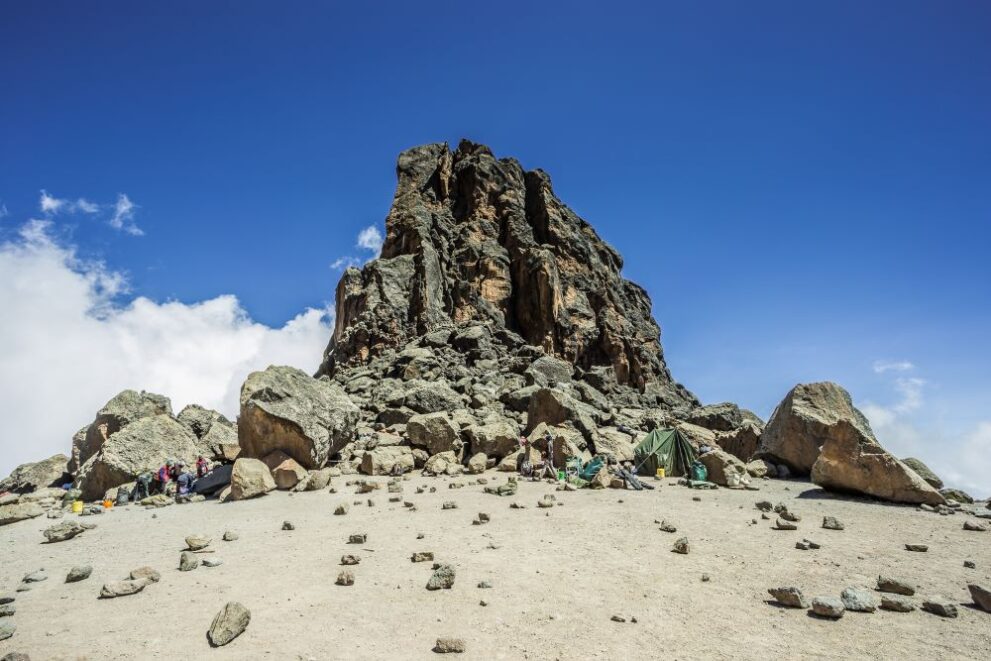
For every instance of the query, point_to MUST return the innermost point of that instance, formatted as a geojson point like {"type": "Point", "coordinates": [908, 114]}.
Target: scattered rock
{"type": "Point", "coordinates": [442, 578]}
{"type": "Point", "coordinates": [228, 624]}
{"type": "Point", "coordinates": [288, 525]}
{"type": "Point", "coordinates": [145, 573]}
{"type": "Point", "coordinates": [832, 523]}
{"type": "Point", "coordinates": [940, 606]}
{"type": "Point", "coordinates": [981, 596]}
{"type": "Point", "coordinates": [681, 546]}
{"type": "Point", "coordinates": [61, 532]}
{"type": "Point", "coordinates": [969, 564]}
{"type": "Point", "coordinates": [618, 618]}
{"type": "Point", "coordinates": [7, 610]}
{"type": "Point", "coordinates": [897, 603]}
{"type": "Point", "coordinates": [123, 588]}
{"type": "Point", "coordinates": [781, 524]}
{"type": "Point", "coordinates": [230, 536]}
{"type": "Point", "coordinates": [346, 577]}
{"type": "Point", "coordinates": [974, 527]}
{"type": "Point", "coordinates": [350, 559]}
{"type": "Point", "coordinates": [859, 600]}
{"type": "Point", "coordinates": [449, 505]}
{"type": "Point", "coordinates": [342, 509]}
{"type": "Point", "coordinates": [789, 596]}
{"type": "Point", "coordinates": [358, 538]}
{"type": "Point", "coordinates": [895, 586]}
{"type": "Point", "coordinates": [188, 561]}
{"type": "Point", "coordinates": [250, 478]}
{"type": "Point", "coordinates": [484, 585]}
{"type": "Point", "coordinates": [917, 548]}
{"type": "Point", "coordinates": [829, 607]}
{"type": "Point", "coordinates": [449, 646]}
{"type": "Point", "coordinates": [197, 542]}
{"type": "Point", "coordinates": [212, 562]}
{"type": "Point", "coordinates": [79, 573]}
{"type": "Point", "coordinates": [7, 629]}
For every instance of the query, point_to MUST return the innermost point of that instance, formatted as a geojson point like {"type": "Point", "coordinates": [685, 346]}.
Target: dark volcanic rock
{"type": "Point", "coordinates": [482, 259]}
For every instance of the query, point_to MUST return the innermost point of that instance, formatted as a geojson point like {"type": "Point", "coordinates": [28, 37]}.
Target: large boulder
{"type": "Point", "coordinates": [125, 408]}
{"type": "Point", "coordinates": [431, 397]}
{"type": "Point", "coordinates": [285, 470]}
{"type": "Point", "coordinates": [250, 478]}
{"type": "Point", "coordinates": [612, 441]}
{"type": "Point", "coordinates": [497, 437]}
{"type": "Point", "coordinates": [554, 407]}
{"type": "Point", "coordinates": [720, 465]}
{"type": "Point", "coordinates": [741, 442]}
{"type": "Point", "coordinates": [924, 472]}
{"type": "Point", "coordinates": [283, 408]}
{"type": "Point", "coordinates": [722, 417]}
{"type": "Point", "coordinates": [436, 432]}
{"type": "Point", "coordinates": [19, 511]}
{"type": "Point", "coordinates": [810, 415]}
{"type": "Point", "coordinates": [549, 371]}
{"type": "Point", "coordinates": [385, 458]}
{"type": "Point", "coordinates": [139, 447]}
{"type": "Point", "coordinates": [29, 477]}
{"type": "Point", "coordinates": [200, 420]}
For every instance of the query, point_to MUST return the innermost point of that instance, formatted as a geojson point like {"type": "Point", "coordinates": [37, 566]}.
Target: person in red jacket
{"type": "Point", "coordinates": [202, 467]}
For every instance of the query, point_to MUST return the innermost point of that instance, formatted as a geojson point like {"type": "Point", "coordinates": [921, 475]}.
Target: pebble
{"type": "Point", "coordinates": [345, 578]}
{"type": "Point", "coordinates": [7, 629]}
{"type": "Point", "coordinates": [358, 538]}
{"type": "Point", "coordinates": [832, 523]}
{"type": "Point", "coordinates": [681, 546]}
{"type": "Point", "coordinates": [917, 548]}
{"type": "Point", "coordinates": [442, 578]}
{"type": "Point", "coordinates": [197, 542]}
{"type": "Point", "coordinates": [422, 556]}
{"type": "Point", "coordinates": [288, 525]}
{"type": "Point", "coordinates": [230, 536]}
{"type": "Point", "coordinates": [146, 573]}
{"type": "Point", "coordinates": [781, 524]}
{"type": "Point", "coordinates": [188, 561]}
{"type": "Point", "coordinates": [969, 564]}
{"type": "Point", "coordinates": [212, 562]}
{"type": "Point", "coordinates": [981, 596]}
{"type": "Point", "coordinates": [350, 559]}
{"type": "Point", "coordinates": [449, 505]}
{"type": "Point", "coordinates": [342, 509]}
{"type": "Point", "coordinates": [449, 645]}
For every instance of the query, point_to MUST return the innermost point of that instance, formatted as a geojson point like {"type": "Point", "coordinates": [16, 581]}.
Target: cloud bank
{"type": "Point", "coordinates": [67, 345]}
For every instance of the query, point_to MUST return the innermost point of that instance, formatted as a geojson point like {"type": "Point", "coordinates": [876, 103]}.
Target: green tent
{"type": "Point", "coordinates": [664, 448]}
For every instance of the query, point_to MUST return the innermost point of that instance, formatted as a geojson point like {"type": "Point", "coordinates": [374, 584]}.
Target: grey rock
{"type": "Point", "coordinates": [7, 629]}
{"type": "Point", "coordinates": [14, 512]}
{"type": "Point", "coordinates": [126, 408]}
{"type": "Point", "coordinates": [828, 607]}
{"type": "Point", "coordinates": [974, 527]}
{"type": "Point", "coordinates": [38, 475]}
{"type": "Point", "coordinates": [188, 561]}
{"type": "Point", "coordinates": [123, 588]}
{"type": "Point", "coordinates": [350, 559]}
{"type": "Point", "coordinates": [940, 606]}
{"type": "Point", "coordinates": [229, 623]}
{"type": "Point", "coordinates": [791, 597]}
{"type": "Point", "coordinates": [146, 573]}
{"type": "Point", "coordinates": [61, 532]}
{"type": "Point", "coordinates": [442, 578]}
{"type": "Point", "coordinates": [212, 562]}
{"type": "Point", "coordinates": [832, 523]}
{"type": "Point", "coordinates": [79, 573]}
{"type": "Point", "coordinates": [895, 586]}
{"type": "Point", "coordinates": [981, 596]}
{"type": "Point", "coordinates": [7, 610]}
{"type": "Point", "coordinates": [781, 524]}
{"type": "Point", "coordinates": [345, 578]}
{"type": "Point", "coordinates": [288, 525]}
{"type": "Point", "coordinates": [448, 645]}
{"type": "Point", "coordinates": [358, 538]}
{"type": "Point", "coordinates": [230, 536]}
{"type": "Point", "coordinates": [897, 603]}
{"type": "Point", "coordinates": [859, 600]}
{"type": "Point", "coordinates": [917, 548]}
{"type": "Point", "coordinates": [681, 545]}
{"type": "Point", "coordinates": [197, 542]}
{"type": "Point", "coordinates": [924, 472]}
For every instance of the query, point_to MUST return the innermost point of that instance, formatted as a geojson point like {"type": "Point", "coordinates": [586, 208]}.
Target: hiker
{"type": "Point", "coordinates": [184, 483]}
{"type": "Point", "coordinates": [142, 487]}
{"type": "Point", "coordinates": [202, 467]}
{"type": "Point", "coordinates": [523, 465]}
{"type": "Point", "coordinates": [549, 440]}
{"type": "Point", "coordinates": [163, 477]}
{"type": "Point", "coordinates": [547, 468]}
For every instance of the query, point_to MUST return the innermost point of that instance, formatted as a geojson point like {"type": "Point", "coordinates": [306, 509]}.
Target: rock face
{"type": "Point", "coordinates": [809, 415]}
{"type": "Point", "coordinates": [141, 446]}
{"type": "Point", "coordinates": [29, 477]}
{"type": "Point", "coordinates": [283, 408]}
{"type": "Point", "coordinates": [125, 408]}
{"type": "Point", "coordinates": [481, 255]}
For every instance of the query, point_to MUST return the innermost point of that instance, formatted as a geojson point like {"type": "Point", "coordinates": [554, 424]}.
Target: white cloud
{"type": "Point", "coordinates": [123, 217]}
{"type": "Point", "coordinates": [49, 204]}
{"type": "Point", "coordinates": [3, 210]}
{"type": "Point", "coordinates": [67, 346]}
{"type": "Point", "coordinates": [346, 262]}
{"type": "Point", "coordinates": [86, 206]}
{"type": "Point", "coordinates": [880, 366]}
{"type": "Point", "coordinates": [370, 239]}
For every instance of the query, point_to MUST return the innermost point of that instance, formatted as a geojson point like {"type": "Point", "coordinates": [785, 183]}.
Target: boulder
{"type": "Point", "coordinates": [554, 407]}
{"type": "Point", "coordinates": [741, 442]}
{"type": "Point", "coordinates": [437, 464]}
{"type": "Point", "coordinates": [723, 417]}
{"type": "Point", "coordinates": [981, 596]}
{"type": "Point", "coordinates": [283, 408]}
{"type": "Point", "coordinates": [565, 442]}
{"type": "Point", "coordinates": [809, 415]}
{"type": "Point", "coordinates": [957, 495]}
{"type": "Point", "coordinates": [431, 397]}
{"type": "Point", "coordinates": [478, 463]}
{"type": "Point", "coordinates": [229, 623]}
{"type": "Point", "coordinates": [721, 465]}
{"type": "Point", "coordinates": [285, 470]}
{"type": "Point", "coordinates": [612, 441]}
{"type": "Point", "coordinates": [924, 472]}
{"type": "Point", "coordinates": [140, 446]}
{"type": "Point", "coordinates": [761, 468]}
{"type": "Point", "coordinates": [497, 437]}
{"type": "Point", "coordinates": [384, 459]}
{"type": "Point", "coordinates": [548, 371]}
{"type": "Point", "coordinates": [200, 420]}
{"type": "Point", "coordinates": [320, 479]}
{"type": "Point", "coordinates": [50, 472]}
{"type": "Point", "coordinates": [15, 512]}
{"type": "Point", "coordinates": [510, 463]}
{"type": "Point", "coordinates": [434, 431]}
{"type": "Point", "coordinates": [250, 478]}
{"type": "Point", "coordinates": [63, 531]}
{"type": "Point", "coordinates": [125, 408]}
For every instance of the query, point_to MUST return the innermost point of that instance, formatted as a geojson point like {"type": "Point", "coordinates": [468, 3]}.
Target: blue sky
{"type": "Point", "coordinates": [803, 188]}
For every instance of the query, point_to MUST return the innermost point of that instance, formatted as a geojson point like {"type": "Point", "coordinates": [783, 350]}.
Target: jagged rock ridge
{"type": "Point", "coordinates": [474, 239]}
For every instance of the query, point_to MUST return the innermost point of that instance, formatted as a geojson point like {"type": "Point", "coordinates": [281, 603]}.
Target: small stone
{"type": "Point", "coordinates": [422, 556]}
{"type": "Point", "coordinates": [697, 499]}
{"type": "Point", "coordinates": [981, 596]}
{"type": "Point", "coordinates": [231, 536]}
{"type": "Point", "coordinates": [371, 503]}
{"type": "Point", "coordinates": [832, 523]}
{"type": "Point", "coordinates": [197, 542]}
{"type": "Point", "coordinates": [974, 527]}
{"type": "Point", "coordinates": [789, 596]}
{"type": "Point", "coordinates": [342, 509]}
{"type": "Point", "coordinates": [358, 538]}
{"type": "Point", "coordinates": [618, 618]}
{"type": "Point", "coordinates": [7, 629]}
{"type": "Point", "coordinates": [212, 562]}
{"type": "Point", "coordinates": [483, 517]}
{"type": "Point", "coordinates": [288, 525]}
{"type": "Point", "coordinates": [15, 656]}
{"type": "Point", "coordinates": [350, 559]}
{"type": "Point", "coordinates": [123, 588]}
{"type": "Point", "coordinates": [228, 624]}
{"type": "Point", "coordinates": [667, 527]}
{"type": "Point", "coordinates": [894, 585]}
{"type": "Point", "coordinates": [917, 548]}
{"type": "Point", "coordinates": [483, 603]}
{"type": "Point", "coordinates": [146, 573]}
{"type": "Point", "coordinates": [449, 645]}
{"type": "Point", "coordinates": [829, 607]}
{"type": "Point", "coordinates": [79, 573]}
{"type": "Point", "coordinates": [517, 506]}
{"type": "Point", "coordinates": [705, 578]}
{"type": "Point", "coordinates": [484, 585]}
{"type": "Point", "coordinates": [6, 610]}
{"type": "Point", "coordinates": [35, 577]}
{"type": "Point", "coordinates": [896, 602]}
{"type": "Point", "coordinates": [449, 505]}
{"type": "Point", "coordinates": [789, 516]}
{"type": "Point", "coordinates": [61, 532]}
{"type": "Point", "coordinates": [781, 524]}
{"type": "Point", "coordinates": [764, 505]}
{"type": "Point", "coordinates": [940, 606]}
{"type": "Point", "coordinates": [969, 564]}
{"type": "Point", "coordinates": [346, 577]}
{"type": "Point", "coordinates": [859, 600]}
{"type": "Point", "coordinates": [420, 535]}
{"type": "Point", "coordinates": [188, 561]}
{"type": "Point", "coordinates": [442, 578]}
{"type": "Point", "coordinates": [681, 546]}
{"type": "Point", "coordinates": [802, 545]}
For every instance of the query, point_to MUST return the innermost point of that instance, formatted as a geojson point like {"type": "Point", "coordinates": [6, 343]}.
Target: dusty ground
{"type": "Point", "coordinates": [558, 576]}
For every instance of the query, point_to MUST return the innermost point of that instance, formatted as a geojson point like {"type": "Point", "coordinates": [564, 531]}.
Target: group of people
{"type": "Point", "coordinates": [172, 479]}
{"type": "Point", "coordinates": [625, 470]}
